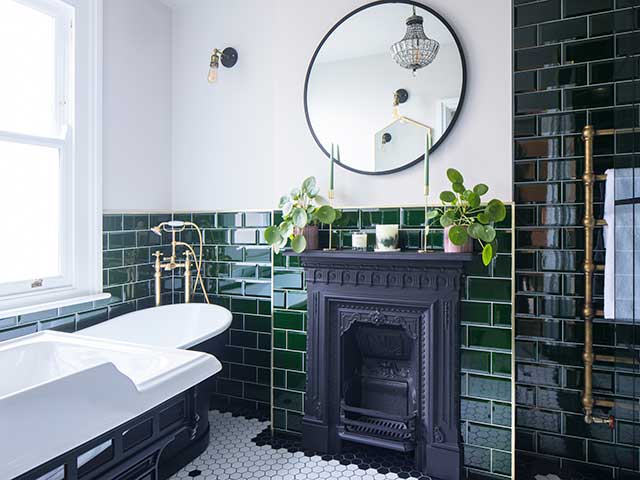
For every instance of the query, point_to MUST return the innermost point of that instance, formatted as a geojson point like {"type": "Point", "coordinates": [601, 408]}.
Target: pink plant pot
{"type": "Point", "coordinates": [311, 235]}
{"type": "Point", "coordinates": [450, 247]}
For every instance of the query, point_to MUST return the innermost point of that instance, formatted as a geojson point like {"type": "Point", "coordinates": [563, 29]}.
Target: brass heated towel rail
{"type": "Point", "coordinates": [590, 222]}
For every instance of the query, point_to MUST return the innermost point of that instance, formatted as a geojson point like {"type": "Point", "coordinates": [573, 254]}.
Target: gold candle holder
{"type": "Point", "coordinates": [330, 249]}
{"type": "Point", "coordinates": [424, 248]}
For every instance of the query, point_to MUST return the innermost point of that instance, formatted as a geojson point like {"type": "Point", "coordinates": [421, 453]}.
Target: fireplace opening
{"type": "Point", "coordinates": [378, 403]}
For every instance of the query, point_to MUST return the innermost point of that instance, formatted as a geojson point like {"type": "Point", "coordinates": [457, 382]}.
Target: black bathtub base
{"type": "Point", "coordinates": [136, 448]}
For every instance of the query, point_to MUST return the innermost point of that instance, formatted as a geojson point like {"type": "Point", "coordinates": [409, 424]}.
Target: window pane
{"type": "Point", "coordinates": [29, 212]}
{"type": "Point", "coordinates": [27, 82]}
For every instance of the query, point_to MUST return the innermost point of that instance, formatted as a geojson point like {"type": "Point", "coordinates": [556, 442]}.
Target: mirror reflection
{"type": "Point", "coordinates": [381, 80]}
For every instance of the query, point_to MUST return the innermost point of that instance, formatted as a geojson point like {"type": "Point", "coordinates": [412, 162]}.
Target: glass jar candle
{"type": "Point", "coordinates": [359, 240]}
{"type": "Point", "coordinates": [386, 238]}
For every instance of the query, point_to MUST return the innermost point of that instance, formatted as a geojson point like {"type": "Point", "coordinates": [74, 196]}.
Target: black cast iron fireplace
{"type": "Point", "coordinates": [383, 355]}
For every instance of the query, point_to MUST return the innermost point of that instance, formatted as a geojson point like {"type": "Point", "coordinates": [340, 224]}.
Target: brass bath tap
{"type": "Point", "coordinates": [172, 263]}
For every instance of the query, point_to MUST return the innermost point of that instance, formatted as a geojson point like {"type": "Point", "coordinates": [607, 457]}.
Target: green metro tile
{"type": "Point", "coordinates": [244, 305]}
{"type": "Point", "coordinates": [242, 372]}
{"type": "Point", "coordinates": [257, 219]}
{"type": "Point", "coordinates": [118, 276]}
{"type": "Point", "coordinates": [112, 258]}
{"type": "Point", "coordinates": [349, 219]}
{"type": "Point", "coordinates": [502, 266]}
{"type": "Point", "coordinates": [279, 378]}
{"type": "Point", "coordinates": [502, 414]}
{"type": "Point", "coordinates": [477, 457]}
{"type": "Point", "coordinates": [294, 262]}
{"type": "Point", "coordinates": [436, 239]}
{"type": "Point", "coordinates": [135, 222]}
{"type": "Point", "coordinates": [216, 236]}
{"type": "Point", "coordinates": [115, 292]}
{"type": "Point", "coordinates": [136, 256]}
{"type": "Point", "coordinates": [489, 289]}
{"type": "Point", "coordinates": [296, 381]}
{"type": "Point", "coordinates": [387, 216]}
{"type": "Point", "coordinates": [283, 279]}
{"type": "Point", "coordinates": [279, 419]}
{"type": "Point", "coordinates": [476, 268]}
{"type": "Point", "coordinates": [183, 217]}
{"type": "Point", "coordinates": [277, 217]}
{"type": "Point", "coordinates": [501, 463]}
{"type": "Point", "coordinates": [261, 393]}
{"type": "Point", "coordinates": [146, 238]}
{"type": "Point", "coordinates": [231, 254]}
{"type": "Point", "coordinates": [410, 239]}
{"type": "Point", "coordinates": [204, 220]}
{"type": "Point", "coordinates": [294, 421]}
{"type": "Point", "coordinates": [287, 399]}
{"type": "Point", "coordinates": [111, 223]}
{"type": "Point", "coordinates": [489, 387]}
{"type": "Point", "coordinates": [264, 376]}
{"type": "Point", "coordinates": [257, 323]}
{"type": "Point", "coordinates": [244, 236]}
{"type": "Point", "coordinates": [501, 363]}
{"type": "Point", "coordinates": [279, 299]}
{"type": "Point", "coordinates": [264, 341]}
{"type": "Point", "coordinates": [264, 307]}
{"type": "Point", "coordinates": [288, 320]}
{"type": "Point", "coordinates": [258, 254]}
{"type": "Point", "coordinates": [478, 410]}
{"type": "Point", "coordinates": [296, 301]}
{"type": "Point", "coordinates": [122, 240]}
{"type": "Point", "coordinates": [506, 223]}
{"type": "Point", "coordinates": [229, 220]}
{"type": "Point", "coordinates": [279, 260]}
{"type": "Point", "coordinates": [257, 289]}
{"type": "Point", "coordinates": [491, 437]}
{"type": "Point", "coordinates": [230, 287]}
{"type": "Point", "coordinates": [264, 272]}
{"type": "Point", "coordinates": [490, 337]}
{"type": "Point", "coordinates": [473, 360]}
{"type": "Point", "coordinates": [297, 341]}
{"type": "Point", "coordinates": [279, 339]}
{"type": "Point", "coordinates": [501, 314]}
{"type": "Point", "coordinates": [244, 271]}
{"type": "Point", "coordinates": [214, 269]}
{"type": "Point", "coordinates": [475, 312]}
{"type": "Point", "coordinates": [259, 358]}
{"type": "Point", "coordinates": [412, 217]}
{"type": "Point", "coordinates": [287, 359]}
{"type": "Point", "coordinates": [158, 218]}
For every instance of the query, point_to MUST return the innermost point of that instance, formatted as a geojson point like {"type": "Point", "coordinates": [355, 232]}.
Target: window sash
{"type": "Point", "coordinates": [63, 142]}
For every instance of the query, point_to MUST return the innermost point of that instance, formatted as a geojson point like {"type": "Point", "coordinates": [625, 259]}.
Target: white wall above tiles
{"type": "Point", "coordinates": [137, 105]}
{"type": "Point", "coordinates": [243, 142]}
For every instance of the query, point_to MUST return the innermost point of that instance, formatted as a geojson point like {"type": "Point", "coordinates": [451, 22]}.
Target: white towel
{"type": "Point", "coordinates": [622, 257]}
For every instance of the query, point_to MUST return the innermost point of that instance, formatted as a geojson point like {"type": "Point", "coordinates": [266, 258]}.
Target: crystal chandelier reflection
{"type": "Point", "coordinates": [415, 50]}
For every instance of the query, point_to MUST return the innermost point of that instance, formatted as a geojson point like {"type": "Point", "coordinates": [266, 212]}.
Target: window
{"type": "Point", "coordinates": [49, 152]}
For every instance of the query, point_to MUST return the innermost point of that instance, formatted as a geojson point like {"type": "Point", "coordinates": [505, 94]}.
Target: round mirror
{"type": "Point", "coordinates": [384, 79]}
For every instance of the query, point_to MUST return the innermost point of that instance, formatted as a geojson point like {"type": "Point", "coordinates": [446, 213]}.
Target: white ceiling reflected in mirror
{"type": "Point", "coordinates": [384, 76]}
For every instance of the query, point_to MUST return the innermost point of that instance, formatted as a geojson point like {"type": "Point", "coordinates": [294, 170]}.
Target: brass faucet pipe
{"type": "Point", "coordinates": [589, 222]}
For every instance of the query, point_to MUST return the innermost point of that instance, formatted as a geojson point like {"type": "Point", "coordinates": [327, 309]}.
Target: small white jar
{"type": "Point", "coordinates": [359, 240]}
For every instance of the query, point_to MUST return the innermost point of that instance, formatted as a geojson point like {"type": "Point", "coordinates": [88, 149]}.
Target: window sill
{"type": "Point", "coordinates": [44, 303]}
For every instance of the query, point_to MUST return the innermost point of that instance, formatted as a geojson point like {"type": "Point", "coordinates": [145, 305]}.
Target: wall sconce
{"type": "Point", "coordinates": [228, 57]}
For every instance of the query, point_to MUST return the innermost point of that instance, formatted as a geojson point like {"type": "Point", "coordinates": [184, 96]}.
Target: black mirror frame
{"type": "Point", "coordinates": [455, 116]}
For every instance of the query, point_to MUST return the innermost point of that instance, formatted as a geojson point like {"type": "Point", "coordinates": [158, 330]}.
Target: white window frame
{"type": "Point", "coordinates": [79, 114]}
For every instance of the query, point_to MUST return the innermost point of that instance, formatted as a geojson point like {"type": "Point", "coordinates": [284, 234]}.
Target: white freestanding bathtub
{"type": "Point", "coordinates": [183, 325]}
{"type": "Point", "coordinates": [60, 390]}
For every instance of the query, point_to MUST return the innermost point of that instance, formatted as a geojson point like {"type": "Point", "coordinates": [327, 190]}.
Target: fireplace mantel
{"type": "Point", "coordinates": [415, 292]}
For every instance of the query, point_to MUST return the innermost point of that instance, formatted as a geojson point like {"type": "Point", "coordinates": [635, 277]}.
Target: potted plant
{"type": "Point", "coordinates": [302, 211]}
{"type": "Point", "coordinates": [465, 218]}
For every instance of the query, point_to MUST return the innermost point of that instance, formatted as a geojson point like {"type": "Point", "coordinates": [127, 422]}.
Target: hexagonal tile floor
{"type": "Point", "coordinates": [232, 454]}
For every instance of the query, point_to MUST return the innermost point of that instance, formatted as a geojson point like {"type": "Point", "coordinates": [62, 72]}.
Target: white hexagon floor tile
{"type": "Point", "coordinates": [232, 455]}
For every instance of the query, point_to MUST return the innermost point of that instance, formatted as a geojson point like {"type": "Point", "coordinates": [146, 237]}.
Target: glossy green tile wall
{"type": "Point", "coordinates": [575, 62]}
{"type": "Point", "coordinates": [486, 333]}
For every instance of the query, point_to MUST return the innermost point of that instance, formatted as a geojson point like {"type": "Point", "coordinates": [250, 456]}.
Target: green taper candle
{"type": "Point", "coordinates": [426, 162]}
{"type": "Point", "coordinates": [331, 171]}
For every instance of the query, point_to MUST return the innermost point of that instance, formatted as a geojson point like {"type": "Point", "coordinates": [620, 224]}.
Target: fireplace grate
{"type": "Point", "coordinates": [379, 427]}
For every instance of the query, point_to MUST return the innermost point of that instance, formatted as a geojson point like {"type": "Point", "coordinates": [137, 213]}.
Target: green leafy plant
{"type": "Point", "coordinates": [303, 206]}
{"type": "Point", "coordinates": [468, 216]}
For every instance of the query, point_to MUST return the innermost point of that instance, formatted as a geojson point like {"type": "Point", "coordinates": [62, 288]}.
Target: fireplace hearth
{"type": "Point", "coordinates": [383, 355]}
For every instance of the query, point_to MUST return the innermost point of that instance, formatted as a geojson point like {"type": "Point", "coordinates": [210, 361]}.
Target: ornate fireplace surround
{"type": "Point", "coordinates": [413, 293]}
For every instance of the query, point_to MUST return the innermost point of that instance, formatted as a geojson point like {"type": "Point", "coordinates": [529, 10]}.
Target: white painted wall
{"type": "Point", "coordinates": [244, 142]}
{"type": "Point", "coordinates": [137, 106]}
